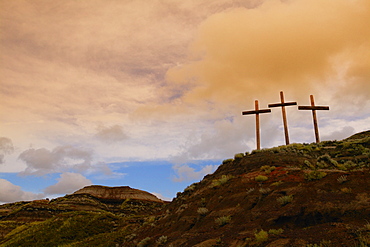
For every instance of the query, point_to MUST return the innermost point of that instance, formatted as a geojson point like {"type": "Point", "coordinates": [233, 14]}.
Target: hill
{"type": "Point", "coordinates": [295, 195]}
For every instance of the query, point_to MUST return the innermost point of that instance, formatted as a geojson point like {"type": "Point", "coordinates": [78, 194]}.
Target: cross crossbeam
{"type": "Point", "coordinates": [313, 108]}
{"type": "Point", "coordinates": [257, 111]}
{"type": "Point", "coordinates": [282, 104]}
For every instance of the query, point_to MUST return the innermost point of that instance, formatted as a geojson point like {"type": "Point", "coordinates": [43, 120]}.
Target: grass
{"type": "Point", "coordinates": [221, 181]}
{"type": "Point", "coordinates": [267, 169]}
{"type": "Point", "coordinates": [275, 231]}
{"type": "Point", "coordinates": [223, 220]}
{"type": "Point", "coordinates": [283, 200]}
{"type": "Point", "coordinates": [260, 178]}
{"type": "Point", "coordinates": [261, 236]}
{"type": "Point", "coordinates": [315, 175]}
{"type": "Point", "coordinates": [202, 211]}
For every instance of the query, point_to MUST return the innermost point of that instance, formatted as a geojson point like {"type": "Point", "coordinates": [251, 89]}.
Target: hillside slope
{"type": "Point", "coordinates": [295, 195]}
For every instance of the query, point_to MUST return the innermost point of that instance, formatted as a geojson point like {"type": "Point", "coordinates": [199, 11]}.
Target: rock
{"type": "Point", "coordinates": [117, 193]}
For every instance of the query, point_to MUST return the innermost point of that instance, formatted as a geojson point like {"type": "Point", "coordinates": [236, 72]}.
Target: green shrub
{"type": "Point", "coordinates": [161, 240]}
{"type": "Point", "coordinates": [202, 211]}
{"type": "Point", "coordinates": [308, 165]}
{"type": "Point", "coordinates": [264, 190]}
{"type": "Point", "coordinates": [261, 236]}
{"type": "Point", "coordinates": [342, 179]}
{"type": "Point", "coordinates": [238, 156]}
{"type": "Point", "coordinates": [221, 181]}
{"type": "Point", "coordinates": [144, 242]}
{"type": "Point", "coordinates": [326, 161]}
{"type": "Point", "coordinates": [349, 165]}
{"type": "Point", "coordinates": [315, 175]}
{"type": "Point", "coordinates": [261, 178]}
{"type": "Point", "coordinates": [276, 231]}
{"type": "Point", "coordinates": [223, 220]}
{"type": "Point", "coordinates": [227, 161]}
{"type": "Point", "coordinates": [267, 169]}
{"type": "Point", "coordinates": [276, 183]}
{"type": "Point", "coordinates": [283, 200]}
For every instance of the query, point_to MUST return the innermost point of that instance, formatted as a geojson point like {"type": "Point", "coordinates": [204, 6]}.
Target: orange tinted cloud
{"type": "Point", "coordinates": [296, 46]}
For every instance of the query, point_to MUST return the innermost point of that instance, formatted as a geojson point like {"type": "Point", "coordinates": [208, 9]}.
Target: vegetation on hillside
{"type": "Point", "coordinates": [296, 195]}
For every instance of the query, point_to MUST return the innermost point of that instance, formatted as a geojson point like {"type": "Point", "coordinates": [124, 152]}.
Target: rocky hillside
{"type": "Point", "coordinates": [297, 195]}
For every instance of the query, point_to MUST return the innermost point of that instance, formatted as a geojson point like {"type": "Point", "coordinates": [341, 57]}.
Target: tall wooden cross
{"type": "Point", "coordinates": [313, 108]}
{"type": "Point", "coordinates": [285, 122]}
{"type": "Point", "coordinates": [257, 111]}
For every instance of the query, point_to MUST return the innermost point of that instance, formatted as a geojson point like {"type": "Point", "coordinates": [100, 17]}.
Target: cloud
{"type": "Point", "coordinates": [295, 46]}
{"type": "Point", "coordinates": [60, 159]}
{"type": "Point", "coordinates": [68, 183]}
{"type": "Point", "coordinates": [345, 132]}
{"type": "Point", "coordinates": [224, 140]}
{"type": "Point", "coordinates": [13, 193]}
{"type": "Point", "coordinates": [162, 197]}
{"type": "Point", "coordinates": [6, 147]}
{"type": "Point", "coordinates": [185, 172]}
{"type": "Point", "coordinates": [111, 134]}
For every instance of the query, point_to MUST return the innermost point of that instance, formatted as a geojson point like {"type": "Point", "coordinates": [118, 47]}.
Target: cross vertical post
{"type": "Point", "coordinates": [257, 111]}
{"type": "Point", "coordinates": [285, 122]}
{"type": "Point", "coordinates": [313, 108]}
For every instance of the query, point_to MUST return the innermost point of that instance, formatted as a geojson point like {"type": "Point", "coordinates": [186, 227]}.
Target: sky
{"type": "Point", "coordinates": [149, 94]}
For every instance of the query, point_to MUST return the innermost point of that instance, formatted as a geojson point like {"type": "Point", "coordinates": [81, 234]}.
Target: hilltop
{"type": "Point", "coordinates": [296, 195]}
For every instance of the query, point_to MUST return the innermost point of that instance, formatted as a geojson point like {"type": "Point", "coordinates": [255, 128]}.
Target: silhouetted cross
{"type": "Point", "coordinates": [257, 111]}
{"type": "Point", "coordinates": [283, 104]}
{"type": "Point", "coordinates": [314, 108]}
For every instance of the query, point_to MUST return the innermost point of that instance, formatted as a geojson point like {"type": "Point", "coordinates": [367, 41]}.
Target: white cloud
{"type": "Point", "coordinates": [68, 183]}
{"type": "Point", "coordinates": [111, 134]}
{"type": "Point", "coordinates": [186, 173]}
{"type": "Point", "coordinates": [6, 147]}
{"type": "Point", "coordinates": [13, 193]}
{"type": "Point", "coordinates": [340, 134]}
{"type": "Point", "coordinates": [162, 197]}
{"type": "Point", "coordinates": [60, 159]}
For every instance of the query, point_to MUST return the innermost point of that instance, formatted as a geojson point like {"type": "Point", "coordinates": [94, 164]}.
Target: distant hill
{"type": "Point", "coordinates": [296, 195]}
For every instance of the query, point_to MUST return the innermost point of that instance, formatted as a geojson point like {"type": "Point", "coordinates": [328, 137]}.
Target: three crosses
{"type": "Point", "coordinates": [282, 104]}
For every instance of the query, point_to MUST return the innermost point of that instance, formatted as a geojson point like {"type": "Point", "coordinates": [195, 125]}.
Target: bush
{"type": "Point", "coordinates": [227, 161]}
{"type": "Point", "coordinates": [238, 156]}
{"type": "Point", "coordinates": [267, 169]}
{"type": "Point", "coordinates": [161, 240]}
{"type": "Point", "coordinates": [308, 165]}
{"type": "Point", "coordinates": [326, 161]}
{"type": "Point", "coordinates": [202, 211]}
{"type": "Point", "coordinates": [276, 231]}
{"type": "Point", "coordinates": [261, 178]}
{"type": "Point", "coordinates": [264, 190]}
{"type": "Point", "coordinates": [342, 179]}
{"type": "Point", "coordinates": [261, 236]}
{"type": "Point", "coordinates": [283, 200]}
{"type": "Point", "coordinates": [315, 175]}
{"type": "Point", "coordinates": [276, 183]}
{"type": "Point", "coordinates": [144, 242]}
{"type": "Point", "coordinates": [221, 181]}
{"type": "Point", "coordinates": [223, 220]}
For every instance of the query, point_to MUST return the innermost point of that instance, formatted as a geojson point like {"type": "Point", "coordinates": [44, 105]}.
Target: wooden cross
{"type": "Point", "coordinates": [257, 111]}
{"type": "Point", "coordinates": [285, 122]}
{"type": "Point", "coordinates": [313, 108]}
